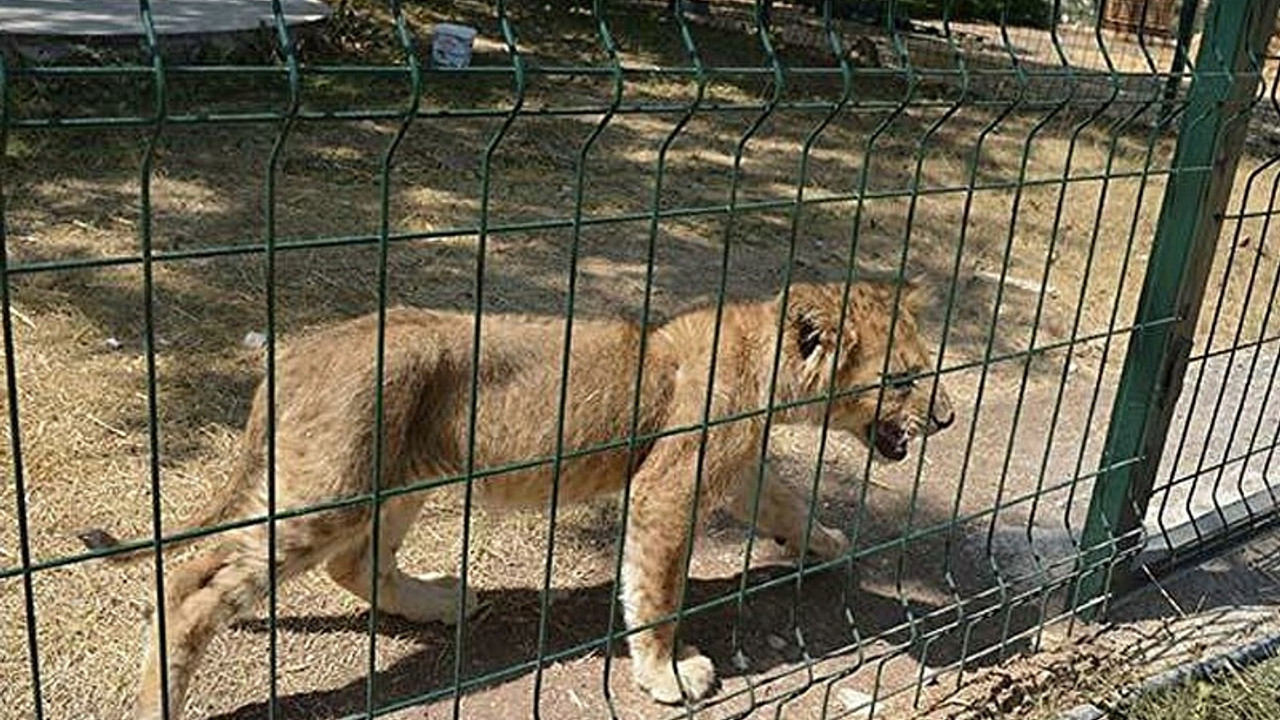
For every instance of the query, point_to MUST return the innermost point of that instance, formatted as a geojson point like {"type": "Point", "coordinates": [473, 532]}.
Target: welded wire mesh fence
{"type": "Point", "coordinates": [1086, 193]}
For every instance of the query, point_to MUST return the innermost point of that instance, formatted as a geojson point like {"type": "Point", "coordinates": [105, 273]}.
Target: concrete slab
{"type": "Point", "coordinates": [1220, 451]}
{"type": "Point", "coordinates": [108, 18]}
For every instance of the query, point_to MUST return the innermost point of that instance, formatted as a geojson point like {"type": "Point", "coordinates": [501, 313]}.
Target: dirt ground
{"type": "Point", "coordinates": [1208, 609]}
{"type": "Point", "coordinates": [1060, 202]}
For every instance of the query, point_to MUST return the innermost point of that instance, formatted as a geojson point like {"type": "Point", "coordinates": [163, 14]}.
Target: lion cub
{"type": "Point", "coordinates": [325, 451]}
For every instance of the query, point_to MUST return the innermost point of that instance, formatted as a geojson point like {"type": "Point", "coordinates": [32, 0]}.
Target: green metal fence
{"type": "Point", "coordinates": [1091, 210]}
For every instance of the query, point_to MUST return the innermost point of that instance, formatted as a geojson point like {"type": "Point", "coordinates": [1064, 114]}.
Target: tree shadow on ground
{"type": "Point", "coordinates": [932, 167]}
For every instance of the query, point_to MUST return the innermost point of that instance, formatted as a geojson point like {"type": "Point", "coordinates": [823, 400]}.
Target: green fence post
{"type": "Point", "coordinates": [1210, 142]}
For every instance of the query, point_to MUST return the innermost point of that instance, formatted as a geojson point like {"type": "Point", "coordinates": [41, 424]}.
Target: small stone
{"type": "Point", "coordinates": [777, 642]}
{"type": "Point", "coordinates": [96, 539]}
{"type": "Point", "coordinates": [852, 700]}
{"type": "Point", "coordinates": [255, 340]}
{"type": "Point", "coordinates": [114, 343]}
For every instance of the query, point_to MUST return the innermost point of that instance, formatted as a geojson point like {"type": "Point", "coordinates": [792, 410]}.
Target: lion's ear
{"type": "Point", "coordinates": [808, 336]}
{"type": "Point", "coordinates": [812, 313]}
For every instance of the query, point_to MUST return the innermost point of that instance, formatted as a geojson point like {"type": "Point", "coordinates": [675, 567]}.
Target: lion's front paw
{"type": "Point", "coordinates": [693, 677]}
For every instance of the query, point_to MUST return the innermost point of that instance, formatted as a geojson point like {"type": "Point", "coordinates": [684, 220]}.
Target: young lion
{"type": "Point", "coordinates": [325, 450]}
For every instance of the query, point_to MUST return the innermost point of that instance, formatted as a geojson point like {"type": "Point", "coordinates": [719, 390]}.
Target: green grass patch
{"type": "Point", "coordinates": [1252, 693]}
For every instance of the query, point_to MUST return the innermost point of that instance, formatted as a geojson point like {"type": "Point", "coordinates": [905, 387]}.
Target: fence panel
{"type": "Point", "coordinates": [179, 214]}
{"type": "Point", "coordinates": [1213, 482]}
{"type": "Point", "coordinates": [1228, 72]}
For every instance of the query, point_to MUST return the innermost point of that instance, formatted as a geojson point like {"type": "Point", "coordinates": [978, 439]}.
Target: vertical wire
{"type": "Point", "coordinates": [912, 622]}
{"type": "Point", "coordinates": [615, 66]}
{"type": "Point", "coordinates": [1181, 55]}
{"type": "Point", "coordinates": [1056, 233]}
{"type": "Point", "coordinates": [1041, 570]}
{"type": "Point", "coordinates": [1006, 259]}
{"type": "Point", "coordinates": [482, 238]}
{"type": "Point", "coordinates": [735, 178]}
{"type": "Point", "coordinates": [405, 39]}
{"type": "Point", "coordinates": [855, 237]}
{"type": "Point", "coordinates": [948, 318]}
{"type": "Point", "coordinates": [160, 97]}
{"type": "Point", "coordinates": [1090, 255]}
{"type": "Point", "coordinates": [655, 214]}
{"type": "Point", "coordinates": [269, 271]}
{"type": "Point", "coordinates": [779, 85]}
{"type": "Point", "coordinates": [797, 208]}
{"type": "Point", "coordinates": [15, 427]}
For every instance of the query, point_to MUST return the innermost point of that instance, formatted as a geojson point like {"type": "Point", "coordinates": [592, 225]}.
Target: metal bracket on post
{"type": "Point", "coordinates": [1210, 141]}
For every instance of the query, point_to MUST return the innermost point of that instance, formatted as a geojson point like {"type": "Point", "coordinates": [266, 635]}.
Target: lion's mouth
{"type": "Point", "coordinates": [890, 440]}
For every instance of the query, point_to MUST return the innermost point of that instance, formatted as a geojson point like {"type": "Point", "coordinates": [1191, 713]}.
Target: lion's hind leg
{"type": "Point", "coordinates": [429, 598]}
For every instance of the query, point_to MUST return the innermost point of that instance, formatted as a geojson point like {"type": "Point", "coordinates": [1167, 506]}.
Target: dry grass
{"type": "Point", "coordinates": [1239, 694]}
{"type": "Point", "coordinates": [82, 386]}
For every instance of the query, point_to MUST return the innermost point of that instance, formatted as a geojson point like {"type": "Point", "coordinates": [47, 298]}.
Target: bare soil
{"type": "Point", "coordinates": [960, 190]}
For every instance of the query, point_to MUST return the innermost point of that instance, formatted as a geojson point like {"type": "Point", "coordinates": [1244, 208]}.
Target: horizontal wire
{"type": "Point", "coordinates": [424, 486]}
{"type": "Point", "coordinates": [20, 268]}
{"type": "Point", "coordinates": [1222, 465]}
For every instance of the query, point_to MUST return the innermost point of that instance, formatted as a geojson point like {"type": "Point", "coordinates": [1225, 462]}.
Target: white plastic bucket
{"type": "Point", "coordinates": [451, 45]}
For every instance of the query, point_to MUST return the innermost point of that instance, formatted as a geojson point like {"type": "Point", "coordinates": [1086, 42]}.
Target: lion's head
{"type": "Point", "coordinates": [911, 401]}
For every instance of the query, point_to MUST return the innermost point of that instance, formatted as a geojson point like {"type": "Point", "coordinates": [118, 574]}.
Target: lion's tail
{"type": "Point", "coordinates": [221, 508]}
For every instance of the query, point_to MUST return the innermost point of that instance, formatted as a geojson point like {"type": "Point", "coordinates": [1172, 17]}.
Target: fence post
{"type": "Point", "coordinates": [1210, 141]}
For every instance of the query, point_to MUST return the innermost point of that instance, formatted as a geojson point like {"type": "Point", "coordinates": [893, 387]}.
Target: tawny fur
{"type": "Point", "coordinates": [325, 450]}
